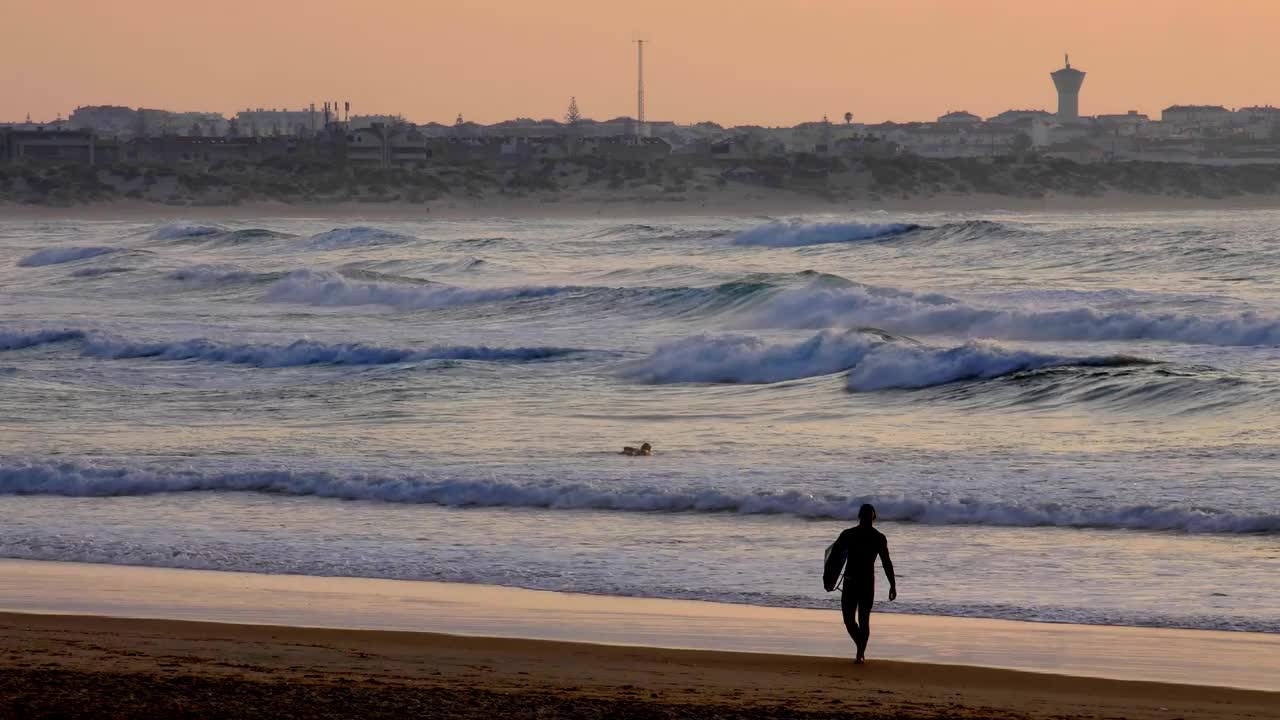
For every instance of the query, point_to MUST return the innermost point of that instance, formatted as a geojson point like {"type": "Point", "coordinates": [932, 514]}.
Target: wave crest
{"type": "Point", "coordinates": [307, 352]}
{"type": "Point", "coordinates": [19, 340]}
{"type": "Point", "coordinates": [929, 314]}
{"type": "Point", "coordinates": [749, 359]}
{"type": "Point", "coordinates": [874, 360]}
{"type": "Point", "coordinates": [920, 366]}
{"type": "Point", "coordinates": [354, 237]}
{"type": "Point", "coordinates": [798, 234]}
{"type": "Point", "coordinates": [332, 289]}
{"type": "Point", "coordinates": [210, 275]}
{"type": "Point", "coordinates": [59, 255]}
{"type": "Point", "coordinates": [185, 230]}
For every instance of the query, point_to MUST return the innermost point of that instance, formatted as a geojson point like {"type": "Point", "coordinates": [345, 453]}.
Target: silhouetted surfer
{"type": "Point", "coordinates": [855, 553]}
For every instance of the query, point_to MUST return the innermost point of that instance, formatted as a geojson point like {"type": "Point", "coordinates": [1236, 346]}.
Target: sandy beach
{"type": "Point", "coordinates": [63, 666]}
{"type": "Point", "coordinates": [288, 646]}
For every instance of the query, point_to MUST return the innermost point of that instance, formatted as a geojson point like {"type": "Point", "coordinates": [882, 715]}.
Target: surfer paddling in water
{"type": "Point", "coordinates": [854, 554]}
{"type": "Point", "coordinates": [644, 450]}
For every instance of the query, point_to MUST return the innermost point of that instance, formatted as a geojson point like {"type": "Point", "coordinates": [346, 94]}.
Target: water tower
{"type": "Point", "coordinates": [1068, 81]}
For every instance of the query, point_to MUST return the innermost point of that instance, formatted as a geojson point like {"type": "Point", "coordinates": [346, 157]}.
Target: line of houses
{"type": "Point", "coordinates": [108, 134]}
{"type": "Point", "coordinates": [377, 146]}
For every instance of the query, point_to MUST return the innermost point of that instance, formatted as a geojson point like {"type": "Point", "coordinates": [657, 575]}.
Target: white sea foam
{"type": "Point", "coordinates": [306, 352]}
{"type": "Point", "coordinates": [90, 479]}
{"type": "Point", "coordinates": [331, 289]}
{"type": "Point", "coordinates": [930, 314]}
{"type": "Point", "coordinates": [65, 254]}
{"type": "Point", "coordinates": [797, 234]}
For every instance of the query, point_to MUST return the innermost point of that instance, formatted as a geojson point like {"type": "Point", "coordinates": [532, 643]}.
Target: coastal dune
{"type": "Point", "coordinates": [83, 666]}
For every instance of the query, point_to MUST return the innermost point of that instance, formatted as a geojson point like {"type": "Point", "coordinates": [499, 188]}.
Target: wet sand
{"type": "Point", "coordinates": [1235, 659]}
{"type": "Point", "coordinates": [295, 646]}
{"type": "Point", "coordinates": [90, 667]}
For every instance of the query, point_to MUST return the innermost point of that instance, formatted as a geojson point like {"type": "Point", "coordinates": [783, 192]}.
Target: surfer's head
{"type": "Point", "coordinates": [867, 514]}
{"type": "Point", "coordinates": [645, 447]}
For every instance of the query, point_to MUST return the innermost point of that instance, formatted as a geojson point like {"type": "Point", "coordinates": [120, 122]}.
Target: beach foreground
{"type": "Point", "coordinates": [84, 666]}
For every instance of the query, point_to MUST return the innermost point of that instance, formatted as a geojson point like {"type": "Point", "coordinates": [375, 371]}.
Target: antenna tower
{"type": "Point", "coordinates": [640, 88]}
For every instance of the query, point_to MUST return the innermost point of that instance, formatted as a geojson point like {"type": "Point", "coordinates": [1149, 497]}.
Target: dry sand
{"type": "Point", "coordinates": [89, 667]}
{"type": "Point", "coordinates": [1200, 657]}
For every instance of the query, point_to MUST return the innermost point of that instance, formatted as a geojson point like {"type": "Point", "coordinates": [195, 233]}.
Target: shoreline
{"type": "Point", "coordinates": [577, 205]}
{"type": "Point", "coordinates": [102, 667]}
{"type": "Point", "coordinates": [1247, 660]}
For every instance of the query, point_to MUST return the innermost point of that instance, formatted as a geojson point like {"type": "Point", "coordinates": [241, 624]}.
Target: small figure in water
{"type": "Point", "coordinates": [860, 546]}
{"type": "Point", "coordinates": [644, 450]}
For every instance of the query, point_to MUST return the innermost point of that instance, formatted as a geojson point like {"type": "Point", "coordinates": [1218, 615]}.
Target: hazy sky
{"type": "Point", "coordinates": [767, 62]}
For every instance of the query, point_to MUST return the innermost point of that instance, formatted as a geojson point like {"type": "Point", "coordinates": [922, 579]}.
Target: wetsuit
{"type": "Point", "coordinates": [862, 544]}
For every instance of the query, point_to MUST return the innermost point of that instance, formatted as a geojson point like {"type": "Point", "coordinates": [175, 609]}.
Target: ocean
{"type": "Point", "coordinates": [1060, 417]}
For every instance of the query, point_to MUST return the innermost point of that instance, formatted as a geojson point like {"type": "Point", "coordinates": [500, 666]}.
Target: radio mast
{"type": "Point", "coordinates": [640, 88]}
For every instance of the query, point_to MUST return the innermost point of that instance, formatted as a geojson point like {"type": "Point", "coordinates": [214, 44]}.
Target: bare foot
{"type": "Point", "coordinates": [860, 660]}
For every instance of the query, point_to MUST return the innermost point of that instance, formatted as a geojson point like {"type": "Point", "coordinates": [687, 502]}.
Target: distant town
{"type": "Point", "coordinates": [528, 155]}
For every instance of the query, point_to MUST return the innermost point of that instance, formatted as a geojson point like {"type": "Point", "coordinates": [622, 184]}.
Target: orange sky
{"type": "Point", "coordinates": [767, 62]}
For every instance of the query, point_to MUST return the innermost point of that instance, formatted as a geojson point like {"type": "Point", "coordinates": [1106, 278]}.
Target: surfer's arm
{"type": "Point", "coordinates": [888, 570]}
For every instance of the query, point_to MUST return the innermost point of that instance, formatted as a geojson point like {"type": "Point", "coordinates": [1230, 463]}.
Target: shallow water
{"type": "Point", "coordinates": [1060, 417]}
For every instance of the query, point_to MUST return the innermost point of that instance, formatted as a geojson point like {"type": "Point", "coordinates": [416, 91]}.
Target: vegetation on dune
{"type": "Point", "coordinates": [834, 178]}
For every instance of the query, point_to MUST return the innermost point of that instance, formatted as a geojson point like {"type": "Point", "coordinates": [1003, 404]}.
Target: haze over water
{"type": "Point", "coordinates": [1060, 417]}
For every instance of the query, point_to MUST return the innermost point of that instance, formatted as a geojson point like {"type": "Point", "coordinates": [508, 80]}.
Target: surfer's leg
{"type": "Point", "coordinates": [865, 602]}
{"type": "Point", "coordinates": [849, 609]}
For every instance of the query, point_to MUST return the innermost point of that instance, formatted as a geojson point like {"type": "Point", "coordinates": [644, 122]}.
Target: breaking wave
{"type": "Point", "coordinates": [929, 314]}
{"type": "Point", "coordinates": [332, 289]}
{"type": "Point", "coordinates": [90, 479]}
{"type": "Point", "coordinates": [797, 234]}
{"type": "Point", "coordinates": [59, 255]}
{"type": "Point", "coordinates": [920, 366]}
{"type": "Point", "coordinates": [748, 359]}
{"type": "Point", "coordinates": [874, 360]}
